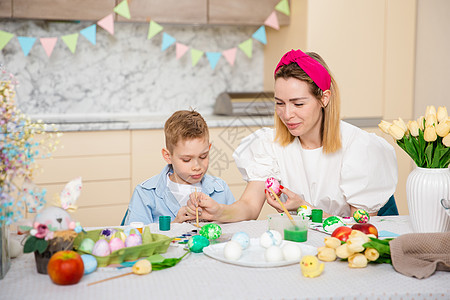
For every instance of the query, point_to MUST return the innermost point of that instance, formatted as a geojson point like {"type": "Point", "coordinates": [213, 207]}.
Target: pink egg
{"type": "Point", "coordinates": [101, 248]}
{"type": "Point", "coordinates": [116, 244]}
{"type": "Point", "coordinates": [133, 240]}
{"type": "Point", "coordinates": [274, 184]}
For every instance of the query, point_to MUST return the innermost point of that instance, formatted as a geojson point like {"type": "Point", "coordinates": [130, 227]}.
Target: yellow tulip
{"type": "Point", "coordinates": [343, 252]}
{"type": "Point", "coordinates": [356, 244]}
{"type": "Point", "coordinates": [396, 132]}
{"type": "Point", "coordinates": [430, 120]}
{"type": "Point", "coordinates": [384, 126]}
{"type": "Point", "coordinates": [420, 122]}
{"type": "Point", "coordinates": [413, 128]}
{"type": "Point", "coordinates": [357, 260]}
{"type": "Point", "coordinates": [327, 254]}
{"type": "Point", "coordinates": [431, 110]}
{"type": "Point", "coordinates": [371, 254]}
{"type": "Point", "coordinates": [429, 134]}
{"type": "Point", "coordinates": [332, 242]}
{"type": "Point", "coordinates": [401, 124]}
{"type": "Point", "coordinates": [441, 113]}
{"type": "Point", "coordinates": [442, 128]}
{"type": "Point", "coordinates": [446, 140]}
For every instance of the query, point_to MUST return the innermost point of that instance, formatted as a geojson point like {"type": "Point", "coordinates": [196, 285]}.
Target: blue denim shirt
{"type": "Point", "coordinates": [152, 198]}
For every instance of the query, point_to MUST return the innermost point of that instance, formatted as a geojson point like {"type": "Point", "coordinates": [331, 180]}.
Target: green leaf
{"type": "Point", "coordinates": [167, 263]}
{"type": "Point", "coordinates": [429, 154]}
{"type": "Point", "coordinates": [411, 149]}
{"type": "Point", "coordinates": [41, 245]}
{"type": "Point", "coordinates": [30, 245]}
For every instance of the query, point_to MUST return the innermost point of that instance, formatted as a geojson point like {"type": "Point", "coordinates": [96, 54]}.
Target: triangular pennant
{"type": "Point", "coordinates": [90, 33]}
{"type": "Point", "coordinates": [167, 41]}
{"type": "Point", "coordinates": [260, 35]}
{"type": "Point", "coordinates": [107, 23]}
{"type": "Point", "coordinates": [230, 55]}
{"type": "Point", "coordinates": [272, 21]}
{"type": "Point", "coordinates": [283, 7]}
{"type": "Point", "coordinates": [26, 43]}
{"type": "Point", "coordinates": [181, 49]}
{"type": "Point", "coordinates": [213, 58]}
{"type": "Point", "coordinates": [153, 29]}
{"type": "Point", "coordinates": [48, 44]}
{"type": "Point", "coordinates": [5, 37]}
{"type": "Point", "coordinates": [71, 41]}
{"type": "Point", "coordinates": [122, 9]}
{"type": "Point", "coordinates": [247, 47]}
{"type": "Point", "coordinates": [195, 56]}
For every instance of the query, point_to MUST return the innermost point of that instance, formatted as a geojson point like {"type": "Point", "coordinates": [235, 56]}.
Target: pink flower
{"type": "Point", "coordinates": [42, 231]}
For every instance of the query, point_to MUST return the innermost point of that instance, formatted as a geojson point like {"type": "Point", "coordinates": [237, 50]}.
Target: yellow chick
{"type": "Point", "coordinates": [310, 266]}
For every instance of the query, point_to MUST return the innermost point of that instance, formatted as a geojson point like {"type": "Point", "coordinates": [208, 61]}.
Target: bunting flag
{"type": "Point", "coordinates": [247, 47]}
{"type": "Point", "coordinates": [272, 21]}
{"type": "Point", "coordinates": [71, 41]}
{"type": "Point", "coordinates": [90, 33]}
{"type": "Point", "coordinates": [181, 49]}
{"type": "Point", "coordinates": [167, 41]}
{"type": "Point", "coordinates": [107, 23]}
{"type": "Point", "coordinates": [260, 35]}
{"type": "Point", "coordinates": [153, 29]}
{"type": "Point", "coordinates": [26, 43]}
{"type": "Point", "coordinates": [48, 44]}
{"type": "Point", "coordinates": [123, 10]}
{"type": "Point", "coordinates": [5, 37]}
{"type": "Point", "coordinates": [213, 58]}
{"type": "Point", "coordinates": [283, 7]}
{"type": "Point", "coordinates": [230, 55]}
{"type": "Point", "coordinates": [195, 56]}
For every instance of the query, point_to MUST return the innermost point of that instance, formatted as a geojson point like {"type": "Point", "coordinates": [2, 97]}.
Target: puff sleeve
{"type": "Point", "coordinates": [255, 157]}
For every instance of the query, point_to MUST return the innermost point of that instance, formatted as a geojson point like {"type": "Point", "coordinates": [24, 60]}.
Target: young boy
{"type": "Point", "coordinates": [187, 155]}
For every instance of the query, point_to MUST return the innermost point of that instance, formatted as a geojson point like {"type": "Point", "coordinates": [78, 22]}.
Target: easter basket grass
{"type": "Point", "coordinates": [152, 243]}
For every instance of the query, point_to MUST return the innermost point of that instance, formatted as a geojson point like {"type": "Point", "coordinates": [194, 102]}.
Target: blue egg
{"type": "Point", "coordinates": [90, 263]}
{"type": "Point", "coordinates": [242, 238]}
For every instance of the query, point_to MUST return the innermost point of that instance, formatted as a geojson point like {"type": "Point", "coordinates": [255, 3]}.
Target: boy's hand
{"type": "Point", "coordinates": [208, 209]}
{"type": "Point", "coordinates": [183, 215]}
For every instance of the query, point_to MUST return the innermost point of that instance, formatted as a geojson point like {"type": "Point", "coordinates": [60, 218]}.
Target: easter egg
{"type": "Point", "coordinates": [87, 245]}
{"type": "Point", "coordinates": [291, 252]}
{"type": "Point", "coordinates": [197, 242]}
{"type": "Point", "coordinates": [90, 263]}
{"type": "Point", "coordinates": [232, 250]}
{"type": "Point", "coordinates": [242, 238]}
{"type": "Point", "coordinates": [270, 238]}
{"type": "Point", "coordinates": [107, 233]}
{"type": "Point", "coordinates": [272, 183]}
{"type": "Point", "coordinates": [131, 230]}
{"type": "Point", "coordinates": [331, 223]}
{"type": "Point", "coordinates": [133, 240]}
{"type": "Point", "coordinates": [273, 254]}
{"type": "Point", "coordinates": [101, 248]}
{"type": "Point", "coordinates": [304, 211]}
{"type": "Point", "coordinates": [361, 216]}
{"type": "Point", "coordinates": [211, 231]}
{"type": "Point", "coordinates": [116, 244]}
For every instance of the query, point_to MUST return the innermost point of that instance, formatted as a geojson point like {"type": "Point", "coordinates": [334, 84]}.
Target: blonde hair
{"type": "Point", "coordinates": [184, 125]}
{"type": "Point", "coordinates": [330, 129]}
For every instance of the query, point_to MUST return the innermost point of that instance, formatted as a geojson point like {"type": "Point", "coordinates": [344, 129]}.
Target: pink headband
{"type": "Point", "coordinates": [312, 67]}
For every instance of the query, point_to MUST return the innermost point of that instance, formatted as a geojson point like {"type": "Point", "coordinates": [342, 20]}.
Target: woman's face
{"type": "Point", "coordinates": [297, 108]}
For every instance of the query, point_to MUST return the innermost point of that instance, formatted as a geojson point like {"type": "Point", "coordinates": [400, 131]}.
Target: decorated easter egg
{"type": "Point", "coordinates": [211, 231]}
{"type": "Point", "coordinates": [142, 267]}
{"type": "Point", "coordinates": [242, 238]}
{"type": "Point", "coordinates": [270, 238]}
{"type": "Point", "coordinates": [90, 263]}
{"type": "Point", "coordinates": [273, 254]}
{"type": "Point", "coordinates": [131, 230]}
{"type": "Point", "coordinates": [55, 218]}
{"type": "Point", "coordinates": [291, 252]}
{"type": "Point", "coordinates": [116, 244]}
{"type": "Point", "coordinates": [272, 183]}
{"type": "Point", "coordinates": [304, 211]}
{"type": "Point", "coordinates": [197, 242]}
{"type": "Point", "coordinates": [232, 250]}
{"type": "Point", "coordinates": [107, 233]}
{"type": "Point", "coordinates": [87, 245]}
{"type": "Point", "coordinates": [101, 248]}
{"type": "Point", "coordinates": [361, 216]}
{"type": "Point", "coordinates": [133, 240]}
{"type": "Point", "coordinates": [331, 223]}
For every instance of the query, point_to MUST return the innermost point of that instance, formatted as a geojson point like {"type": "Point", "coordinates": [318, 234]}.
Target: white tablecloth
{"type": "Point", "coordinates": [199, 276]}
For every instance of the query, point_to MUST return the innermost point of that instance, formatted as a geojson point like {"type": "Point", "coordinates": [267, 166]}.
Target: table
{"type": "Point", "coordinates": [199, 276]}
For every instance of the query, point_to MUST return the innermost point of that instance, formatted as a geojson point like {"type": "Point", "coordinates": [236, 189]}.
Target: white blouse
{"type": "Point", "coordinates": [363, 173]}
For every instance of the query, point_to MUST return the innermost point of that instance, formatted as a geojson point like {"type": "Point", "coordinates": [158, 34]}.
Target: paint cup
{"type": "Point", "coordinates": [317, 215]}
{"type": "Point", "coordinates": [295, 230]}
{"type": "Point", "coordinates": [137, 225]}
{"type": "Point", "coordinates": [164, 223]}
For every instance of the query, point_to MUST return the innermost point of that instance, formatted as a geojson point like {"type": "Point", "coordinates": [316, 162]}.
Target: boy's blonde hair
{"type": "Point", "coordinates": [184, 125]}
{"type": "Point", "coordinates": [331, 134]}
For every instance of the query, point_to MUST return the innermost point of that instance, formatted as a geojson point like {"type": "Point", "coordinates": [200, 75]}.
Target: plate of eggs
{"type": "Point", "coordinates": [269, 250]}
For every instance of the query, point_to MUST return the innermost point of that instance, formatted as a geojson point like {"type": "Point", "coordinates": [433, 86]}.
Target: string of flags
{"type": "Point", "coordinates": [122, 9]}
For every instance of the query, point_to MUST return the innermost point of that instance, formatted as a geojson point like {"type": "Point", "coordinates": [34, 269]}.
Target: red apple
{"type": "Point", "coordinates": [65, 267]}
{"type": "Point", "coordinates": [342, 233]}
{"type": "Point", "coordinates": [366, 228]}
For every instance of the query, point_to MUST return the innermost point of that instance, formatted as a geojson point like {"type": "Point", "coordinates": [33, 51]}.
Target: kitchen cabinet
{"type": "Point", "coordinates": [5, 8]}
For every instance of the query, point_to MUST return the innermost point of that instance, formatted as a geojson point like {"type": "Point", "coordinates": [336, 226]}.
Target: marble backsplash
{"type": "Point", "coordinates": [126, 73]}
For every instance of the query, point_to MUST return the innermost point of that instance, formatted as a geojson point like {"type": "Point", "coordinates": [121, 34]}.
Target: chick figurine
{"type": "Point", "coordinates": [310, 266]}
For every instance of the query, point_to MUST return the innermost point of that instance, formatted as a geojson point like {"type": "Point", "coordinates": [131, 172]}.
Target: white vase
{"type": "Point", "coordinates": [425, 188]}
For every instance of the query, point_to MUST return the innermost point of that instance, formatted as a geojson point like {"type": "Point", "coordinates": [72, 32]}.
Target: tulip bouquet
{"type": "Point", "coordinates": [426, 140]}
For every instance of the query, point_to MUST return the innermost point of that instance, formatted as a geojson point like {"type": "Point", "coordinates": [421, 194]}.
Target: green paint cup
{"type": "Point", "coordinates": [164, 223]}
{"type": "Point", "coordinates": [316, 215]}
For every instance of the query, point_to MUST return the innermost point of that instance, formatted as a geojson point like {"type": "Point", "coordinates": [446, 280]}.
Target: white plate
{"type": "Point", "coordinates": [253, 256]}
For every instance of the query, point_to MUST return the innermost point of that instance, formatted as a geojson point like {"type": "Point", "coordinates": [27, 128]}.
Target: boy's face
{"type": "Point", "coordinates": [189, 159]}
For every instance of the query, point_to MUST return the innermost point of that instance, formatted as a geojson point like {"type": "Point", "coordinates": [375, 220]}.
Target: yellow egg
{"type": "Point", "coordinates": [142, 267]}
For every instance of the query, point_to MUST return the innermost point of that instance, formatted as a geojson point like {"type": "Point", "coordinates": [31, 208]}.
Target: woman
{"type": "Point", "coordinates": [320, 160]}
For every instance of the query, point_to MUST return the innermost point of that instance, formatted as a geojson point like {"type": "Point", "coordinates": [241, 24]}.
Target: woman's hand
{"type": "Point", "coordinates": [293, 201]}
{"type": "Point", "coordinates": [208, 209]}
{"type": "Point", "coordinates": [183, 215]}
